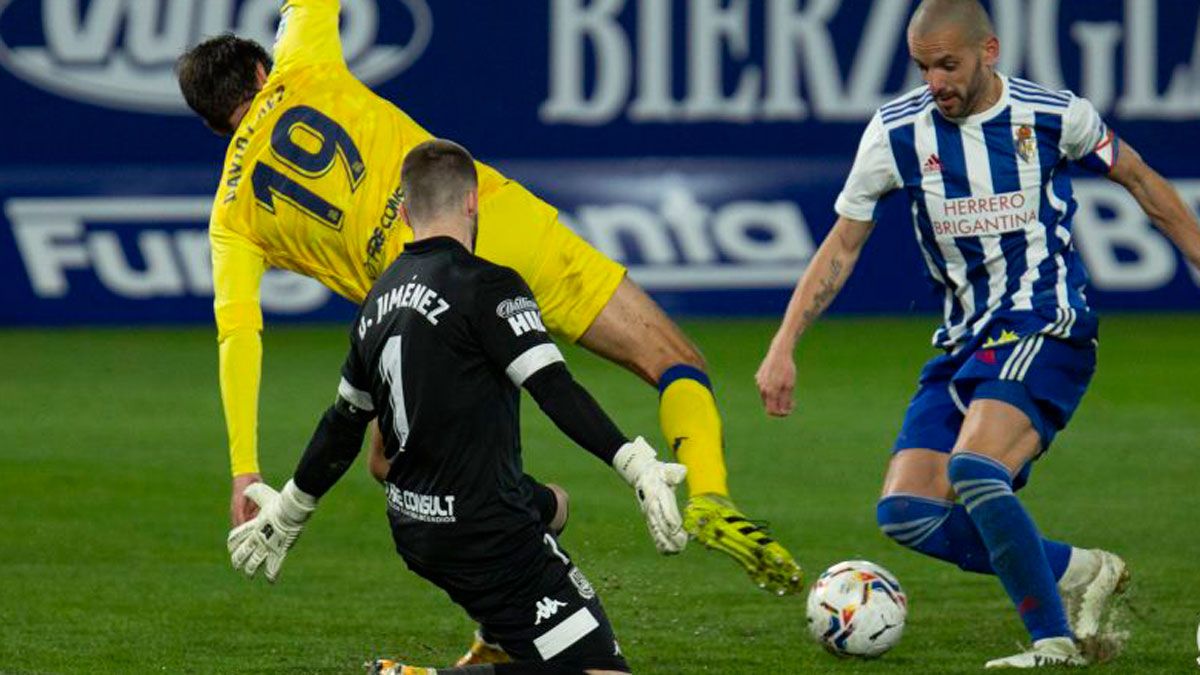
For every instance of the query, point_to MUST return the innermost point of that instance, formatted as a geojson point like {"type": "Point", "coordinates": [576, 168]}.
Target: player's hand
{"type": "Point", "coordinates": [776, 379]}
{"type": "Point", "coordinates": [272, 532]}
{"type": "Point", "coordinates": [241, 508]}
{"type": "Point", "coordinates": [654, 482]}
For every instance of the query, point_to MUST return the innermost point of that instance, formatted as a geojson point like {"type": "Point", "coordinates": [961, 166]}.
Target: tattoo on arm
{"type": "Point", "coordinates": [830, 286]}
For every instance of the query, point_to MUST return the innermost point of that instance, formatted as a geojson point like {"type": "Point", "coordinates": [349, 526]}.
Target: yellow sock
{"type": "Point", "coordinates": [691, 423]}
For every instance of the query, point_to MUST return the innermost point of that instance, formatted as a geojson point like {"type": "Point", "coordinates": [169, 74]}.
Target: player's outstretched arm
{"type": "Point", "coordinates": [1159, 200]}
{"type": "Point", "coordinates": [581, 418]}
{"type": "Point", "coordinates": [510, 329]}
{"type": "Point", "coordinates": [237, 271]}
{"type": "Point", "coordinates": [820, 284]}
{"type": "Point", "coordinates": [308, 34]}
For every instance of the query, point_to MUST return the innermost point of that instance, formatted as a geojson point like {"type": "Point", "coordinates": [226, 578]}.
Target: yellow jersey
{"type": "Point", "coordinates": [311, 184]}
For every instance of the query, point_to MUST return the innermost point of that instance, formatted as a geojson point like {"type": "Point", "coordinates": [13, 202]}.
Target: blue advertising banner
{"type": "Point", "coordinates": [699, 142]}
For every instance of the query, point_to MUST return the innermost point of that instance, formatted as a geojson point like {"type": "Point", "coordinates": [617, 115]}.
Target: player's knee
{"type": "Point", "coordinates": [909, 520]}
{"type": "Point", "coordinates": [685, 353]}
{"type": "Point", "coordinates": [973, 477]}
{"type": "Point", "coordinates": [890, 512]}
{"type": "Point", "coordinates": [672, 351]}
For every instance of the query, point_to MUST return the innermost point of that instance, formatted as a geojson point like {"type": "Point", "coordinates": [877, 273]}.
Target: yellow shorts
{"type": "Point", "coordinates": [571, 280]}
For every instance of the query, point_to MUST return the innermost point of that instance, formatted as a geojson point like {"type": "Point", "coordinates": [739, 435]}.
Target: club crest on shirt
{"type": "Point", "coordinates": [1026, 142]}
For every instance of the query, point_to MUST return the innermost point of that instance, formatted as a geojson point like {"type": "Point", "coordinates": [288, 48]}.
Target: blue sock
{"type": "Point", "coordinates": [1012, 540]}
{"type": "Point", "coordinates": [943, 530]}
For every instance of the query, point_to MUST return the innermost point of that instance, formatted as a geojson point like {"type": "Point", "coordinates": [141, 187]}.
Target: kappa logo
{"type": "Point", "coordinates": [546, 608]}
{"type": "Point", "coordinates": [121, 54]}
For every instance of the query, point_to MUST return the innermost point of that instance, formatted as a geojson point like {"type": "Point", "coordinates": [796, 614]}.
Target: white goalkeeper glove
{"type": "Point", "coordinates": [267, 537]}
{"type": "Point", "coordinates": [654, 482]}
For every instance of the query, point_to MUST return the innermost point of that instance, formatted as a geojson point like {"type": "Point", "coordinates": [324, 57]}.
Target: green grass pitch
{"type": "Point", "coordinates": [114, 495]}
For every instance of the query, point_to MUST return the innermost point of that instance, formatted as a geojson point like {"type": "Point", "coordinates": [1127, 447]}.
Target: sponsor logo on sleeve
{"type": "Point", "coordinates": [522, 314]}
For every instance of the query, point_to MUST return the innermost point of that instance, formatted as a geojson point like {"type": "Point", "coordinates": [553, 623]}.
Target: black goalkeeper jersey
{"type": "Point", "coordinates": [439, 350]}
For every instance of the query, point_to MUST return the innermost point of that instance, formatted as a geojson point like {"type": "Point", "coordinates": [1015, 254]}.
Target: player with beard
{"type": "Point", "coordinates": [439, 351]}
{"type": "Point", "coordinates": [983, 159]}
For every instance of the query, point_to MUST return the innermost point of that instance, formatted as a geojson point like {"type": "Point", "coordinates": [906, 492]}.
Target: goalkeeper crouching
{"type": "Point", "coordinates": [438, 353]}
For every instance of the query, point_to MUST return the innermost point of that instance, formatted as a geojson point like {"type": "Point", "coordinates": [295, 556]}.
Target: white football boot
{"type": "Point", "coordinates": [1088, 589]}
{"type": "Point", "coordinates": [1058, 651]}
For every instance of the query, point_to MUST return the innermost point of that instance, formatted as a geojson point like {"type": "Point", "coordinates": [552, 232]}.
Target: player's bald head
{"type": "Point", "coordinates": [966, 18]}
{"type": "Point", "coordinates": [436, 178]}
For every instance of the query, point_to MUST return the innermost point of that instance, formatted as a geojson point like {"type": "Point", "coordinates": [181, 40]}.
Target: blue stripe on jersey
{"type": "Point", "coordinates": [1002, 152]}
{"type": "Point", "coordinates": [909, 109]}
{"type": "Point", "coordinates": [1002, 158]}
{"type": "Point", "coordinates": [1034, 99]}
{"type": "Point", "coordinates": [903, 101]}
{"type": "Point", "coordinates": [957, 185]}
{"type": "Point", "coordinates": [1076, 275]}
{"type": "Point", "coordinates": [1028, 87]}
{"type": "Point", "coordinates": [953, 157]}
{"type": "Point", "coordinates": [904, 151]}
{"type": "Point", "coordinates": [954, 162]}
{"type": "Point", "coordinates": [1048, 127]}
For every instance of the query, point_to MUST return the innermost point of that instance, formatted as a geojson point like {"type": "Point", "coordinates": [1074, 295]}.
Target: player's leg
{"type": "Point", "coordinates": [631, 330]}
{"type": "Point", "coordinates": [537, 606]}
{"type": "Point", "coordinates": [918, 510]}
{"type": "Point", "coordinates": [552, 504]}
{"type": "Point", "coordinates": [997, 440]}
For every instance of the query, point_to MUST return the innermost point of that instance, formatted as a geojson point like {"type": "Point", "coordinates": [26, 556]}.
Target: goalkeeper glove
{"type": "Point", "coordinates": [267, 538]}
{"type": "Point", "coordinates": [654, 482]}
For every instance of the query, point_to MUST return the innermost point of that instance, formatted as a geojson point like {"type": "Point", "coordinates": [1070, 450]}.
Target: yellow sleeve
{"type": "Point", "coordinates": [238, 267]}
{"type": "Point", "coordinates": [308, 33]}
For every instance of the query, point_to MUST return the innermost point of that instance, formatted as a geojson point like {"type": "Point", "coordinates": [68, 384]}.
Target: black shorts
{"type": "Point", "coordinates": [538, 607]}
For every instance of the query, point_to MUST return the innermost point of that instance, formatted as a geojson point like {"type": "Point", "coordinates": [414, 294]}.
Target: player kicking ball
{"type": "Point", "coordinates": [310, 185]}
{"type": "Point", "coordinates": [438, 353]}
{"type": "Point", "coordinates": [983, 158]}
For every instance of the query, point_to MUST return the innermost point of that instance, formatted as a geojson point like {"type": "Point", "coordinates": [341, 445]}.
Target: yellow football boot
{"type": "Point", "coordinates": [483, 652]}
{"type": "Point", "coordinates": [716, 523]}
{"type": "Point", "coordinates": [389, 667]}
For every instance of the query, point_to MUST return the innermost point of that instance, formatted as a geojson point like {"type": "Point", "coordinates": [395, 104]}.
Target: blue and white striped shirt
{"type": "Point", "coordinates": [991, 202]}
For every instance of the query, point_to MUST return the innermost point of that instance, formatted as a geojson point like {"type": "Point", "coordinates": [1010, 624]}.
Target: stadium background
{"type": "Point", "coordinates": [701, 143]}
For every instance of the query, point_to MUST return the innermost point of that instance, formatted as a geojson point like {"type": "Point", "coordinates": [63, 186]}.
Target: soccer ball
{"type": "Point", "coordinates": [856, 608]}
